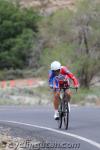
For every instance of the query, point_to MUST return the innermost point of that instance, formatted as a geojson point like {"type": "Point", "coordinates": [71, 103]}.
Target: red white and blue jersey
{"type": "Point", "coordinates": [53, 81]}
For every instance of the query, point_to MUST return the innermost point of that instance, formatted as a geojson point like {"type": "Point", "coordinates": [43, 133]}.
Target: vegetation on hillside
{"type": "Point", "coordinates": [73, 39]}
{"type": "Point", "coordinates": [28, 41]}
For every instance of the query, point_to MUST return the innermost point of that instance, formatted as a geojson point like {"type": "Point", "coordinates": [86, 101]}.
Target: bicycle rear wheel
{"type": "Point", "coordinates": [60, 120]}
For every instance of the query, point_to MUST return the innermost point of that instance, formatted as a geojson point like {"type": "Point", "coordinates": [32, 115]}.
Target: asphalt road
{"type": "Point", "coordinates": [83, 132]}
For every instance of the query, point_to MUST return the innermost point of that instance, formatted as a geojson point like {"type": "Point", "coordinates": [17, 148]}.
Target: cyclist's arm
{"type": "Point", "coordinates": [50, 78]}
{"type": "Point", "coordinates": [75, 81]}
{"type": "Point", "coordinates": [71, 76]}
{"type": "Point", "coordinates": [53, 82]}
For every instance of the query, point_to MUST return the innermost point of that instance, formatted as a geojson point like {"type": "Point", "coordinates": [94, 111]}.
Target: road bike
{"type": "Point", "coordinates": [63, 105]}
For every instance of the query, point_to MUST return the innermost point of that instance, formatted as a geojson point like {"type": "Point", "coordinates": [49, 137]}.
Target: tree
{"type": "Point", "coordinates": [87, 32]}
{"type": "Point", "coordinates": [18, 34]}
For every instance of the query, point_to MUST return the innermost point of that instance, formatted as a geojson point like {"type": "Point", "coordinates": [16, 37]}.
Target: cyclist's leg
{"type": "Point", "coordinates": [56, 104]}
{"type": "Point", "coordinates": [68, 97]}
{"type": "Point", "coordinates": [56, 99]}
{"type": "Point", "coordinates": [68, 94]}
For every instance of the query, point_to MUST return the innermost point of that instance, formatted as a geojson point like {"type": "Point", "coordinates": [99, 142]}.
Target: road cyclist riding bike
{"type": "Point", "coordinates": [63, 108]}
{"type": "Point", "coordinates": [56, 73]}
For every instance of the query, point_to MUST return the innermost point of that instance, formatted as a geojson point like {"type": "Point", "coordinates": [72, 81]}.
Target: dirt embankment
{"type": "Point", "coordinates": [48, 6]}
{"type": "Point", "coordinates": [12, 138]}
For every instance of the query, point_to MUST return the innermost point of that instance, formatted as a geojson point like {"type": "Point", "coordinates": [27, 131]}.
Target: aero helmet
{"type": "Point", "coordinates": [55, 65]}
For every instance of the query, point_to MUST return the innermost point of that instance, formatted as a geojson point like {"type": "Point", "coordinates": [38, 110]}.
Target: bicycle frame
{"type": "Point", "coordinates": [63, 109]}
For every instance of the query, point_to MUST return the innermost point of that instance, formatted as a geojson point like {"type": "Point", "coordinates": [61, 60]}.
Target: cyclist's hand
{"type": "Point", "coordinates": [76, 87]}
{"type": "Point", "coordinates": [51, 86]}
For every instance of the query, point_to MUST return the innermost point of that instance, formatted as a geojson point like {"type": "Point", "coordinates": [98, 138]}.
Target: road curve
{"type": "Point", "coordinates": [84, 127]}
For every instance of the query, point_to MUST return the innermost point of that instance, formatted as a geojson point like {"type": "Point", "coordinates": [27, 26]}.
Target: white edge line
{"type": "Point", "coordinates": [91, 142]}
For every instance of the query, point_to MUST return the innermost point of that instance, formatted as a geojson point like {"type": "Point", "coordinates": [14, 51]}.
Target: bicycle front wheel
{"type": "Point", "coordinates": [66, 119]}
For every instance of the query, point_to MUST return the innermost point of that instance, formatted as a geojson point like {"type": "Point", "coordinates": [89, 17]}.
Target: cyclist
{"type": "Point", "coordinates": [58, 71]}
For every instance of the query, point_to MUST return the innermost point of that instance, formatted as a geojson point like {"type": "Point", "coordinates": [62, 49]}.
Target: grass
{"type": "Point", "coordinates": [44, 92]}
{"type": "Point", "coordinates": [81, 95]}
{"type": "Point", "coordinates": [77, 97]}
